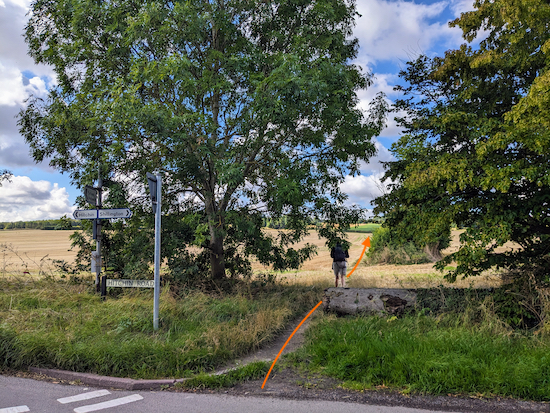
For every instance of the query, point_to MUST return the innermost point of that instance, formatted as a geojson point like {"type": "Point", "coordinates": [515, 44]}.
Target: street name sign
{"type": "Point", "coordinates": [114, 213]}
{"type": "Point", "coordinates": [85, 214]}
{"type": "Point", "coordinates": [131, 283]}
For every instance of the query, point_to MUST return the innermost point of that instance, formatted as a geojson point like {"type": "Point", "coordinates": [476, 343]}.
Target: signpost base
{"type": "Point", "coordinates": [103, 287]}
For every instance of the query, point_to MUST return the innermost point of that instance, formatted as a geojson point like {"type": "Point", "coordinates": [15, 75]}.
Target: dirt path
{"type": "Point", "coordinates": [270, 350]}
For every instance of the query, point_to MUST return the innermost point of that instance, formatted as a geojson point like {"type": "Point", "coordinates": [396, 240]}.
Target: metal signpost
{"type": "Point", "coordinates": [93, 197]}
{"type": "Point", "coordinates": [97, 232]}
{"type": "Point", "coordinates": [155, 183]}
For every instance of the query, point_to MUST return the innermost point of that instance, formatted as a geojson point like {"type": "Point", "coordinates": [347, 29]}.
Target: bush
{"type": "Point", "coordinates": [385, 249]}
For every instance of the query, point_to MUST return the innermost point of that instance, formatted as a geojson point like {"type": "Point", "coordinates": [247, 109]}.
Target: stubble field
{"type": "Point", "coordinates": [33, 252]}
{"type": "Point", "coordinates": [318, 270]}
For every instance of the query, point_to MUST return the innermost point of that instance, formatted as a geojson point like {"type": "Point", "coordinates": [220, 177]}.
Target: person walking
{"type": "Point", "coordinates": [339, 264]}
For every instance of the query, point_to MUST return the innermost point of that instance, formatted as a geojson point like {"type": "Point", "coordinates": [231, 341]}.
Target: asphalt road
{"type": "Point", "coordinates": [18, 395]}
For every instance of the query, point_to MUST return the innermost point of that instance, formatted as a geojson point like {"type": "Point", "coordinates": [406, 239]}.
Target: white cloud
{"type": "Point", "coordinates": [14, 152]}
{"type": "Point", "coordinates": [11, 84]}
{"type": "Point", "coordinates": [16, 87]}
{"type": "Point", "coordinates": [25, 200]}
{"type": "Point", "coordinates": [362, 189]}
{"type": "Point", "coordinates": [374, 166]}
{"type": "Point", "coordinates": [17, 83]}
{"type": "Point", "coordinates": [381, 83]}
{"type": "Point", "coordinates": [24, 4]}
{"type": "Point", "coordinates": [460, 6]}
{"type": "Point", "coordinates": [13, 49]}
{"type": "Point", "coordinates": [395, 30]}
{"type": "Point", "coordinates": [398, 31]}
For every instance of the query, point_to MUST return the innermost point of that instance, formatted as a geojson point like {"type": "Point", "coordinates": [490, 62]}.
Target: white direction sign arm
{"type": "Point", "coordinates": [102, 213]}
{"type": "Point", "coordinates": [85, 214]}
{"type": "Point", "coordinates": [114, 213]}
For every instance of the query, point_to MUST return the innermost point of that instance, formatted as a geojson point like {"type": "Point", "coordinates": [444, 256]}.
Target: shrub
{"type": "Point", "coordinates": [386, 249]}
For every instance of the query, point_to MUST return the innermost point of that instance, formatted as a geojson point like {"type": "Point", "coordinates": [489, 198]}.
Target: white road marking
{"type": "Point", "coordinates": [83, 396]}
{"type": "Point", "coordinates": [17, 409]}
{"type": "Point", "coordinates": [110, 403]}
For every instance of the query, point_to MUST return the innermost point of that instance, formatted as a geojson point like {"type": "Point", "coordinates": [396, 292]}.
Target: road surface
{"type": "Point", "coordinates": [18, 395]}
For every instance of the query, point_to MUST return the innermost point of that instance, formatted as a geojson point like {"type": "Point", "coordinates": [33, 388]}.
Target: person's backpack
{"type": "Point", "coordinates": [339, 254]}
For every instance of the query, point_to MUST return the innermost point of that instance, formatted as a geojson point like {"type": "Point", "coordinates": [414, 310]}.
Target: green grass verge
{"type": "Point", "coordinates": [422, 354]}
{"type": "Point", "coordinates": [60, 325]}
{"type": "Point", "coordinates": [252, 371]}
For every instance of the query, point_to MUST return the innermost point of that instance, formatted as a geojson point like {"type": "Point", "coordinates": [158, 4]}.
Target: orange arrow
{"type": "Point", "coordinates": [287, 341]}
{"type": "Point", "coordinates": [366, 243]}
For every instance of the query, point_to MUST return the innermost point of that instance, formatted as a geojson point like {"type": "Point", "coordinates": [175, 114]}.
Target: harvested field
{"type": "Point", "coordinates": [318, 270]}
{"type": "Point", "coordinates": [34, 250]}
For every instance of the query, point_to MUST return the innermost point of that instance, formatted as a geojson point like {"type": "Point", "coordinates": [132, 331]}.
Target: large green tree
{"type": "Point", "coordinates": [476, 147]}
{"type": "Point", "coordinates": [246, 107]}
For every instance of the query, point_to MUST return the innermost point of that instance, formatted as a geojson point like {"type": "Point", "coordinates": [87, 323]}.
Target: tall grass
{"type": "Point", "coordinates": [60, 325]}
{"type": "Point", "coordinates": [449, 354]}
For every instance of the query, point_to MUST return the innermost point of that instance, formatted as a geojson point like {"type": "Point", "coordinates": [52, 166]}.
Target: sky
{"type": "Point", "coordinates": [390, 33]}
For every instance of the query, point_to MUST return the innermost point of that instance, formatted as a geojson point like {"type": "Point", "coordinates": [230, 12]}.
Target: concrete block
{"type": "Point", "coordinates": [382, 301]}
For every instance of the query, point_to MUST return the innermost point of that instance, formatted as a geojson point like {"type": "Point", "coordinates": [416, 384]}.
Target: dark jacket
{"type": "Point", "coordinates": [338, 254]}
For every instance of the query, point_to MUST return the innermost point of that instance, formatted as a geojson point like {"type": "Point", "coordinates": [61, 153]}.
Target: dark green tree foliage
{"type": "Point", "coordinates": [64, 223]}
{"type": "Point", "coordinates": [5, 175]}
{"type": "Point", "coordinates": [245, 108]}
{"type": "Point", "coordinates": [47, 224]}
{"type": "Point", "coordinates": [476, 150]}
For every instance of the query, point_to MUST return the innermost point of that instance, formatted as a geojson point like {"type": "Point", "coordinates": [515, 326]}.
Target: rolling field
{"type": "Point", "coordinates": [33, 251]}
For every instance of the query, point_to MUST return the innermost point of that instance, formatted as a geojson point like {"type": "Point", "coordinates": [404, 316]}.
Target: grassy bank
{"type": "Point", "coordinates": [450, 354]}
{"type": "Point", "coordinates": [61, 325]}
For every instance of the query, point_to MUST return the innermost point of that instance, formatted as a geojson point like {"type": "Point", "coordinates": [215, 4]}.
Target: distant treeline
{"type": "Point", "coordinates": [68, 223]}
{"type": "Point", "coordinates": [47, 224]}
{"type": "Point", "coordinates": [281, 223]}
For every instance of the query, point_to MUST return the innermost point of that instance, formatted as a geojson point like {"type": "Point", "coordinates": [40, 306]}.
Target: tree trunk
{"type": "Point", "coordinates": [216, 226]}
{"type": "Point", "coordinates": [217, 257]}
{"type": "Point", "coordinates": [432, 251]}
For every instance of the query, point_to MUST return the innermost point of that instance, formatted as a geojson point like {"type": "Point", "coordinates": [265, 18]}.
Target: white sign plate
{"type": "Point", "coordinates": [85, 214]}
{"type": "Point", "coordinates": [131, 283]}
{"type": "Point", "coordinates": [114, 213]}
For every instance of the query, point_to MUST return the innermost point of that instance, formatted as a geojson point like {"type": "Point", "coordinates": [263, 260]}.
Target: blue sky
{"type": "Point", "coordinates": [390, 32]}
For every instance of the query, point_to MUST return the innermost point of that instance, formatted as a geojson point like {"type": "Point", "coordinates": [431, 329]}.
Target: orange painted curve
{"type": "Point", "coordinates": [288, 340]}
{"type": "Point", "coordinates": [366, 243]}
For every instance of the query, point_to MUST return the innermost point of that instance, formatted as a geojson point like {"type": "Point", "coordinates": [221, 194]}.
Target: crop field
{"type": "Point", "coordinates": [34, 251]}
{"type": "Point", "coordinates": [367, 228]}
